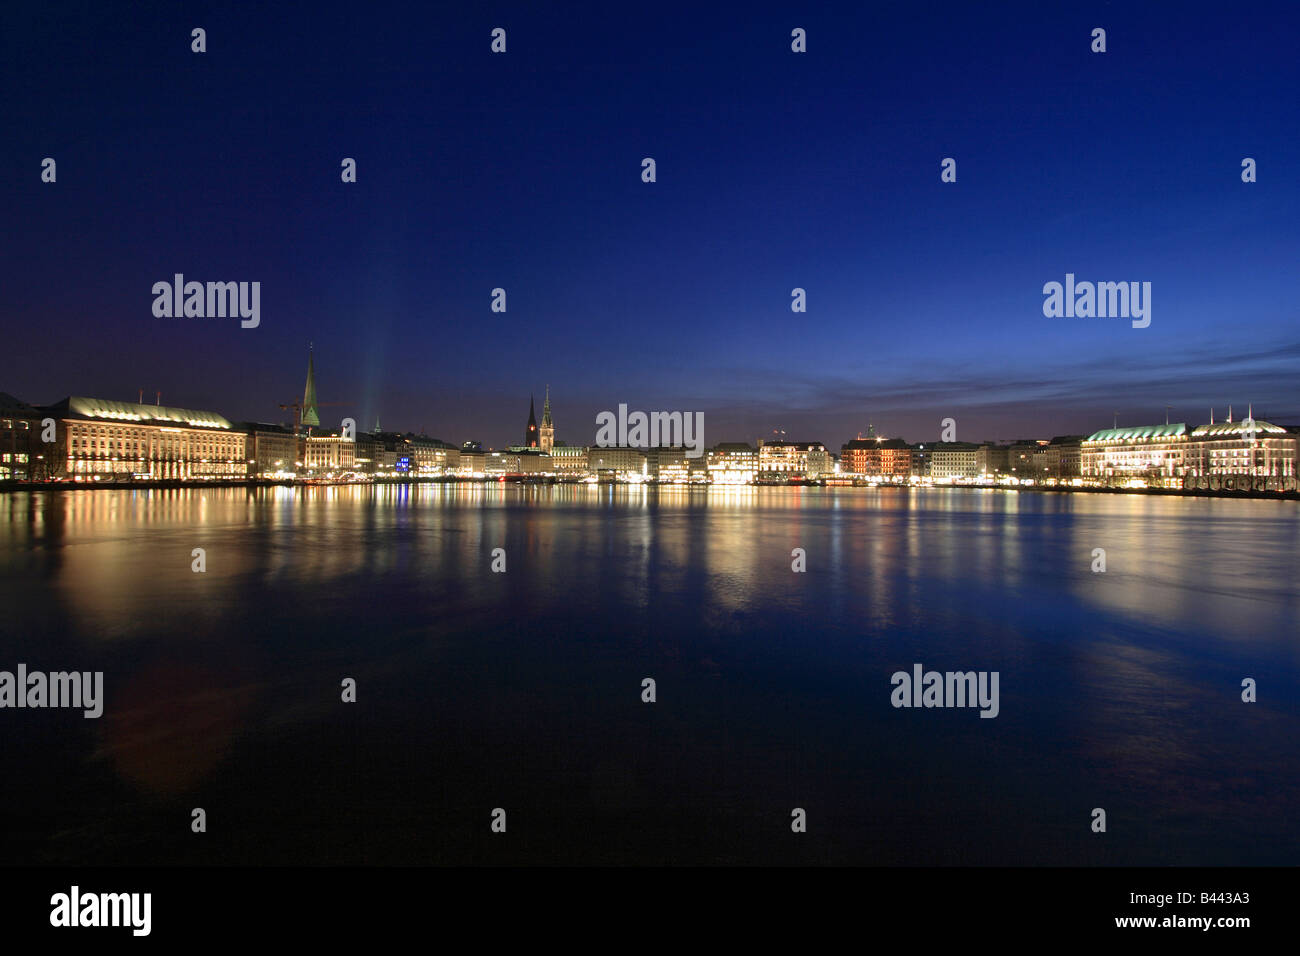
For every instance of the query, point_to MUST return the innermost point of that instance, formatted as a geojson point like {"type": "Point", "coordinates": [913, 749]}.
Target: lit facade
{"type": "Point", "coordinates": [272, 451]}
{"type": "Point", "coordinates": [870, 457]}
{"type": "Point", "coordinates": [616, 462]}
{"type": "Point", "coordinates": [22, 454]}
{"type": "Point", "coordinates": [954, 461]}
{"type": "Point", "coordinates": [1154, 454]}
{"type": "Point", "coordinates": [473, 462]}
{"type": "Point", "coordinates": [328, 454]}
{"type": "Point", "coordinates": [1251, 448]}
{"type": "Point", "coordinates": [100, 438]}
{"type": "Point", "coordinates": [1020, 458]}
{"type": "Point", "coordinates": [1058, 459]}
{"type": "Point", "coordinates": [791, 459]}
{"type": "Point", "coordinates": [732, 463]}
{"type": "Point", "coordinates": [421, 455]}
{"type": "Point", "coordinates": [668, 464]}
{"type": "Point", "coordinates": [568, 461]}
{"type": "Point", "coordinates": [991, 460]}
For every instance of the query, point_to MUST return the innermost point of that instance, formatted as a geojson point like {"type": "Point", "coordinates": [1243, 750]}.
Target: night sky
{"type": "Point", "coordinates": [775, 170]}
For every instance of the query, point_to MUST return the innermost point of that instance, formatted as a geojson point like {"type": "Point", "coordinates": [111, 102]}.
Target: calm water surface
{"type": "Point", "coordinates": [522, 690]}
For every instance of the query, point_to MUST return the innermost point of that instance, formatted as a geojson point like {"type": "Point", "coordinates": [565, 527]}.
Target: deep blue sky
{"type": "Point", "coordinates": [775, 170]}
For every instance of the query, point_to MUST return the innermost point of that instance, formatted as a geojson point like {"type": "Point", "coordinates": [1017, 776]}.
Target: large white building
{"type": "Point", "coordinates": [1173, 456]}
{"type": "Point", "coordinates": [793, 459]}
{"type": "Point", "coordinates": [1154, 454]}
{"type": "Point", "coordinates": [1250, 448]}
{"type": "Point", "coordinates": [328, 454]}
{"type": "Point", "coordinates": [954, 461]}
{"type": "Point", "coordinates": [102, 438]}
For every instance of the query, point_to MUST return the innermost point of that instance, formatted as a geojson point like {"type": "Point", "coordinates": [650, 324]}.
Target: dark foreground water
{"type": "Point", "coordinates": [522, 690]}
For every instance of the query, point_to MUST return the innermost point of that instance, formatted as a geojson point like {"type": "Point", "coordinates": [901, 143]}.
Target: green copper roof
{"type": "Point", "coordinates": [1139, 433]}
{"type": "Point", "coordinates": [309, 416]}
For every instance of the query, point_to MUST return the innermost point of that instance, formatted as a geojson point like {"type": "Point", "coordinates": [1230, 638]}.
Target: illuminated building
{"type": "Point", "coordinates": [668, 464]}
{"type": "Point", "coordinates": [373, 455]}
{"type": "Point", "coordinates": [1250, 447]}
{"type": "Point", "coordinates": [876, 457]}
{"type": "Point", "coordinates": [792, 459]}
{"type": "Point", "coordinates": [854, 457]}
{"type": "Point", "coordinates": [473, 461]}
{"type": "Point", "coordinates": [534, 462]}
{"type": "Point", "coordinates": [617, 462]}
{"type": "Point", "coordinates": [328, 454]}
{"type": "Point", "coordinates": [422, 455]}
{"type": "Point", "coordinates": [103, 438]}
{"type": "Point", "coordinates": [1059, 458]}
{"type": "Point", "coordinates": [921, 460]}
{"type": "Point", "coordinates": [567, 461]}
{"type": "Point", "coordinates": [498, 463]}
{"type": "Point", "coordinates": [1151, 454]}
{"type": "Point", "coordinates": [517, 460]}
{"type": "Point", "coordinates": [895, 458]}
{"type": "Point", "coordinates": [1020, 458]}
{"type": "Point", "coordinates": [954, 461]}
{"type": "Point", "coordinates": [732, 463]}
{"type": "Point", "coordinates": [22, 454]}
{"type": "Point", "coordinates": [272, 450]}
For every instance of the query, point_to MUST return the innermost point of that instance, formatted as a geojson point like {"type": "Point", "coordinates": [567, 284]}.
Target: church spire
{"type": "Point", "coordinates": [530, 433]}
{"type": "Point", "coordinates": [309, 416]}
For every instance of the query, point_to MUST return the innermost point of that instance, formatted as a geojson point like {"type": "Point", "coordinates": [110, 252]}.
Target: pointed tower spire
{"type": "Point", "coordinates": [309, 416]}
{"type": "Point", "coordinates": [530, 433]}
{"type": "Point", "coordinates": [546, 434]}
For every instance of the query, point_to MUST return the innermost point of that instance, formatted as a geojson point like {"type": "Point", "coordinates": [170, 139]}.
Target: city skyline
{"type": "Point", "coordinates": [83, 438]}
{"type": "Point", "coordinates": [924, 298]}
{"type": "Point", "coordinates": [587, 437]}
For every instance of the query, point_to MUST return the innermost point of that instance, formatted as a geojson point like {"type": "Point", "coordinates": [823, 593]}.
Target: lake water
{"type": "Point", "coordinates": [522, 690]}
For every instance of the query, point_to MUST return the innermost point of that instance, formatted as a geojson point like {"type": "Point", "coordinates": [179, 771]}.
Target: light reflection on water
{"type": "Point", "coordinates": [1118, 689]}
